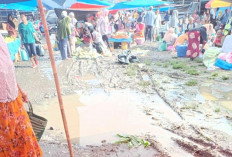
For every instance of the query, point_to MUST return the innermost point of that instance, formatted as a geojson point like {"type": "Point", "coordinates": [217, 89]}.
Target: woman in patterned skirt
{"type": "Point", "coordinates": [17, 138]}
{"type": "Point", "coordinates": [196, 37]}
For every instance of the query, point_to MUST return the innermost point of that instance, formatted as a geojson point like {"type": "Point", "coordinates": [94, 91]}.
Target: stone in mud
{"type": "Point", "coordinates": [47, 96]}
{"type": "Point", "coordinates": [51, 128]}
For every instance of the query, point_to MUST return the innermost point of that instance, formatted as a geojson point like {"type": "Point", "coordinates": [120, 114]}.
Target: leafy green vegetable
{"type": "Point", "coordinates": [132, 141]}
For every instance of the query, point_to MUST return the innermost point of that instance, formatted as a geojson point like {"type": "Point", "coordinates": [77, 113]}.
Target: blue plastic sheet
{"type": "Point", "coordinates": [14, 48]}
{"type": "Point", "coordinates": [138, 4]}
{"type": "Point", "coordinates": [129, 40]}
{"type": "Point", "coordinates": [11, 1]}
{"type": "Point", "coordinates": [223, 64]}
{"type": "Point", "coordinates": [24, 6]}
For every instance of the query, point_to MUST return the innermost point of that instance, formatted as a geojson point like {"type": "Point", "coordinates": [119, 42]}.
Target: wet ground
{"type": "Point", "coordinates": [174, 103]}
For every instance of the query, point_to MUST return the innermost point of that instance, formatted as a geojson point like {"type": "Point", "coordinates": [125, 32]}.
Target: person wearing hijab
{"type": "Point", "coordinates": [196, 37]}
{"type": "Point", "coordinates": [16, 134]}
{"type": "Point", "coordinates": [227, 45]}
{"type": "Point", "coordinates": [64, 31]}
{"type": "Point", "coordinates": [73, 32]}
{"type": "Point", "coordinates": [211, 33]}
{"type": "Point", "coordinates": [10, 27]}
{"type": "Point", "coordinates": [139, 29]}
{"type": "Point", "coordinates": [174, 20]}
{"type": "Point", "coordinates": [220, 15]}
{"type": "Point", "coordinates": [170, 37]}
{"type": "Point", "coordinates": [103, 26]}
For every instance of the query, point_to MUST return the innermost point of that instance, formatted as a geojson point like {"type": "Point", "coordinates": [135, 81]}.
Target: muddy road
{"type": "Point", "coordinates": [176, 104]}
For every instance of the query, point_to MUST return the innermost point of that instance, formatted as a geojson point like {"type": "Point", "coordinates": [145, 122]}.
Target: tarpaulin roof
{"type": "Point", "coordinates": [68, 3]}
{"type": "Point", "coordinates": [11, 1]}
{"type": "Point", "coordinates": [29, 5]}
{"type": "Point", "coordinates": [83, 6]}
{"type": "Point", "coordinates": [51, 4]}
{"type": "Point", "coordinates": [218, 3]}
{"type": "Point", "coordinates": [138, 4]}
{"type": "Point", "coordinates": [80, 15]}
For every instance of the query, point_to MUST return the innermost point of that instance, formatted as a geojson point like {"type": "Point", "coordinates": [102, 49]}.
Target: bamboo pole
{"type": "Point", "coordinates": [41, 9]}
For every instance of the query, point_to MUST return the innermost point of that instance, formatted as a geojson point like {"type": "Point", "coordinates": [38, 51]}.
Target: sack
{"type": "Point", "coordinates": [24, 54]}
{"type": "Point", "coordinates": [39, 50]}
{"type": "Point", "coordinates": [162, 46]}
{"type": "Point", "coordinates": [38, 123]}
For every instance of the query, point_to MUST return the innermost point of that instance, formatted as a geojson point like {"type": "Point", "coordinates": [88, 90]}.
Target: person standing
{"type": "Point", "coordinates": [64, 31]}
{"type": "Point", "coordinates": [103, 25]}
{"type": "Point", "coordinates": [10, 27]}
{"type": "Point", "coordinates": [16, 134]}
{"type": "Point", "coordinates": [149, 23]}
{"type": "Point", "coordinates": [174, 20]}
{"type": "Point", "coordinates": [73, 32]}
{"type": "Point", "coordinates": [213, 17]}
{"type": "Point", "coordinates": [28, 37]}
{"type": "Point", "coordinates": [157, 24]}
{"type": "Point", "coordinates": [225, 18]}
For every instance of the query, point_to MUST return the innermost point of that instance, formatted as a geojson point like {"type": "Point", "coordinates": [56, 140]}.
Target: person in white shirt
{"type": "Point", "coordinates": [157, 25]}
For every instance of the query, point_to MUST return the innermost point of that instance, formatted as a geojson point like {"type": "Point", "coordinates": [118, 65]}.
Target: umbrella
{"type": "Point", "coordinates": [218, 3]}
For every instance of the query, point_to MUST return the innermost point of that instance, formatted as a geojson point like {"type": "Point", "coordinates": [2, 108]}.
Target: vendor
{"type": "Point", "coordinates": [218, 42]}
{"type": "Point", "coordinates": [170, 37]}
{"type": "Point", "coordinates": [227, 44]}
{"type": "Point", "coordinates": [181, 39]}
{"type": "Point", "coordinates": [196, 37]}
{"type": "Point", "coordinates": [11, 27]}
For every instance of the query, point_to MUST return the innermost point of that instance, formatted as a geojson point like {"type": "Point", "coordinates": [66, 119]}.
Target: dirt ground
{"type": "Point", "coordinates": [176, 104]}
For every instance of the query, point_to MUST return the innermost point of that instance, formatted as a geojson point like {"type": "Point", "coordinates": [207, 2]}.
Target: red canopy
{"type": "Point", "coordinates": [84, 6]}
{"type": "Point", "coordinates": [208, 5]}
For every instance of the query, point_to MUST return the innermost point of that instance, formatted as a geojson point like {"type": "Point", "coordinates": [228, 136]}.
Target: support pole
{"type": "Point", "coordinates": [41, 9]}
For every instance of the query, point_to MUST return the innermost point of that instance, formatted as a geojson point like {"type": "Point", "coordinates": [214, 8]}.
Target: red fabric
{"type": "Point", "coordinates": [194, 44]}
{"type": "Point", "coordinates": [87, 6]}
{"type": "Point", "coordinates": [113, 11]}
{"type": "Point", "coordinates": [208, 5]}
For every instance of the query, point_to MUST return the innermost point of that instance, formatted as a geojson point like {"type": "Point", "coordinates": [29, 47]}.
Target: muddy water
{"type": "Point", "coordinates": [97, 115]}
{"type": "Point", "coordinates": [221, 93]}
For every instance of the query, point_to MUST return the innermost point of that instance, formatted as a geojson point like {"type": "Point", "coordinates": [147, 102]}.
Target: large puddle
{"type": "Point", "coordinates": [97, 115]}
{"type": "Point", "coordinates": [221, 93]}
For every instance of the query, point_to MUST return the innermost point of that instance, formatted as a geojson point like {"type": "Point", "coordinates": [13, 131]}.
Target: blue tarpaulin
{"type": "Point", "coordinates": [138, 4]}
{"type": "Point", "coordinates": [29, 5]}
{"type": "Point", "coordinates": [51, 4]}
{"type": "Point", "coordinates": [11, 1]}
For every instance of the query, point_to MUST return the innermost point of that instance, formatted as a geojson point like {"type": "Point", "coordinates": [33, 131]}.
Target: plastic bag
{"type": "Point", "coordinates": [162, 46]}
{"type": "Point", "coordinates": [24, 54]}
{"type": "Point", "coordinates": [39, 50]}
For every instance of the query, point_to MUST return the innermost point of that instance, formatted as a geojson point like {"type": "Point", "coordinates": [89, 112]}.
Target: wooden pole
{"type": "Point", "coordinates": [41, 9]}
